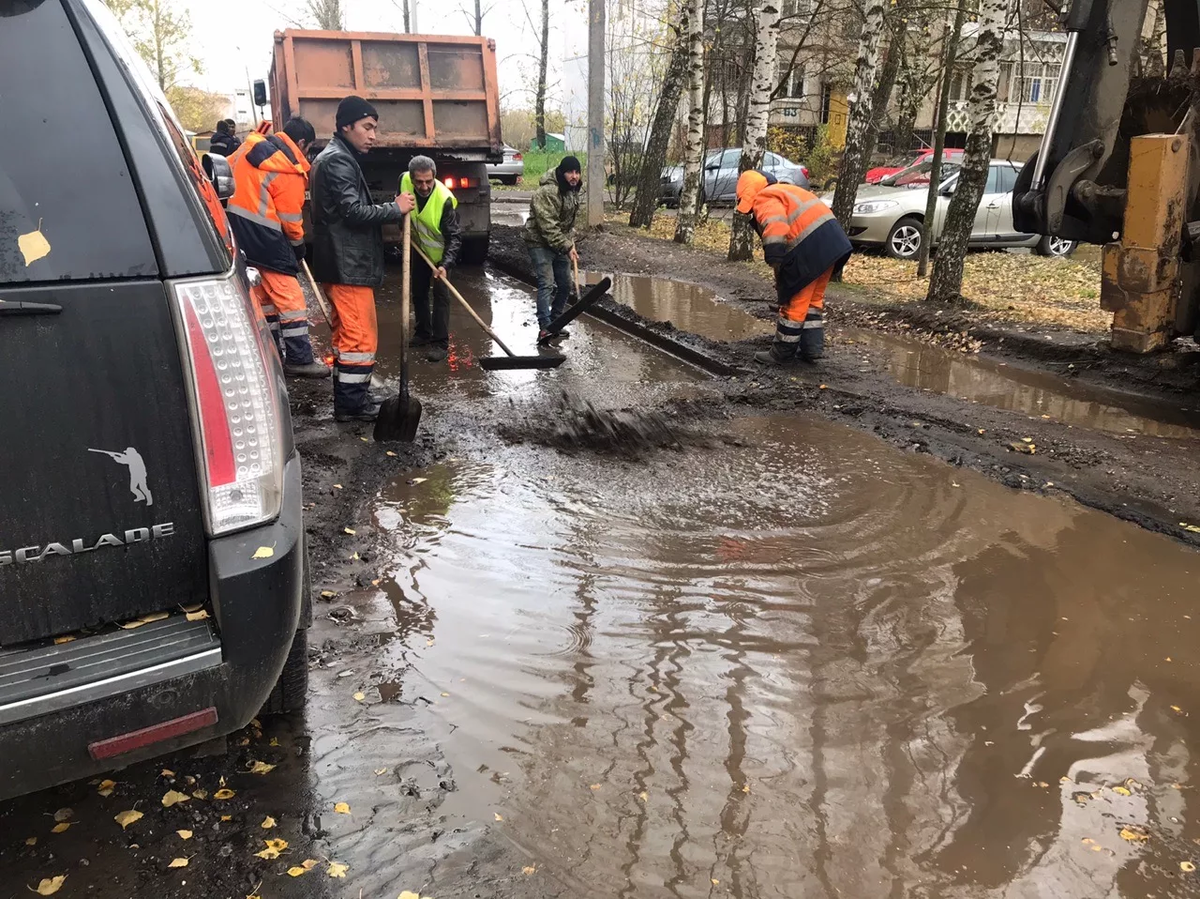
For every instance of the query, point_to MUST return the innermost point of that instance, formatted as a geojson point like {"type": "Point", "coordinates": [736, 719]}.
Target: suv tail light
{"type": "Point", "coordinates": [236, 420]}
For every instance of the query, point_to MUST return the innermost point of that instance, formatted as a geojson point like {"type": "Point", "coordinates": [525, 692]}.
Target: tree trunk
{"type": "Point", "coordinates": [478, 18]}
{"type": "Point", "coordinates": [407, 17]}
{"type": "Point", "coordinates": [689, 199]}
{"type": "Point", "coordinates": [649, 184]}
{"type": "Point", "coordinates": [854, 162]}
{"type": "Point", "coordinates": [882, 94]}
{"type": "Point", "coordinates": [946, 283]}
{"type": "Point", "coordinates": [939, 135]}
{"type": "Point", "coordinates": [539, 107]}
{"type": "Point", "coordinates": [754, 140]}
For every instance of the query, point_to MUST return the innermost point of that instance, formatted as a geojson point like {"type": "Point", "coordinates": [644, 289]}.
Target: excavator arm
{"type": "Point", "coordinates": [1119, 164]}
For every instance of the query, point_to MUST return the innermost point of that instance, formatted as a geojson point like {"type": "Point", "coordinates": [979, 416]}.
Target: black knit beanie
{"type": "Point", "coordinates": [353, 108]}
{"type": "Point", "coordinates": [568, 164]}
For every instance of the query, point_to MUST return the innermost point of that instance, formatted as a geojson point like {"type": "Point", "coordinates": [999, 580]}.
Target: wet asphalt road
{"type": "Point", "coordinates": [789, 660]}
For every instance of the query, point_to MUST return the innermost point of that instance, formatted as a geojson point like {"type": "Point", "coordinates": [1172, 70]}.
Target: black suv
{"type": "Point", "coordinates": [152, 567]}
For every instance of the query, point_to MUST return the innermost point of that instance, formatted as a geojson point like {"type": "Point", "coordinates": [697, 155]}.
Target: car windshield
{"type": "Point", "coordinates": [918, 174]}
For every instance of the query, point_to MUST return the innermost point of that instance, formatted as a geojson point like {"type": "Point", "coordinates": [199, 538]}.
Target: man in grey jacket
{"type": "Point", "coordinates": [348, 253]}
{"type": "Point", "coordinates": [550, 236]}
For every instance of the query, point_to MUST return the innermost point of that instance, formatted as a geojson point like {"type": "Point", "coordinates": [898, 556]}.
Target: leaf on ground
{"type": "Point", "coordinates": [263, 552]}
{"type": "Point", "coordinates": [274, 847]}
{"type": "Point", "coordinates": [594, 787]}
{"type": "Point", "coordinates": [715, 882]}
{"type": "Point", "coordinates": [200, 794]}
{"type": "Point", "coordinates": [1187, 867]}
{"type": "Point", "coordinates": [644, 796]}
{"type": "Point", "coordinates": [49, 885]}
{"type": "Point", "coordinates": [174, 797]}
{"type": "Point", "coordinates": [327, 594]}
{"type": "Point", "coordinates": [360, 696]}
{"type": "Point", "coordinates": [31, 841]}
{"type": "Point", "coordinates": [380, 771]}
{"type": "Point", "coordinates": [227, 817]}
{"type": "Point", "coordinates": [499, 817]}
{"type": "Point", "coordinates": [127, 818]}
{"type": "Point", "coordinates": [342, 808]}
{"type": "Point", "coordinates": [261, 768]}
{"type": "Point", "coordinates": [224, 793]}
{"type": "Point", "coordinates": [746, 788]}
{"type": "Point", "coordinates": [67, 638]}
{"type": "Point", "coordinates": [337, 486]}
{"type": "Point", "coordinates": [184, 834]}
{"type": "Point", "coordinates": [337, 870]}
{"type": "Point", "coordinates": [268, 823]}
{"type": "Point", "coordinates": [64, 814]}
{"type": "Point", "coordinates": [1195, 529]}
{"type": "Point", "coordinates": [350, 531]}
{"type": "Point", "coordinates": [178, 863]}
{"type": "Point", "coordinates": [197, 616]}
{"type": "Point", "coordinates": [527, 870]}
{"type": "Point", "coordinates": [61, 828]}
{"type": "Point", "coordinates": [106, 787]}
{"type": "Point", "coordinates": [167, 772]}
{"type": "Point", "coordinates": [1122, 791]}
{"type": "Point", "coordinates": [1134, 834]}
{"type": "Point", "coordinates": [419, 480]}
{"type": "Point", "coordinates": [304, 867]}
{"type": "Point", "coordinates": [390, 453]}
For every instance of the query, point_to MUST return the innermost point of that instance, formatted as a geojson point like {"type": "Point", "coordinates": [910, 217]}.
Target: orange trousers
{"type": "Point", "coordinates": [284, 307]}
{"type": "Point", "coordinates": [801, 325]}
{"type": "Point", "coordinates": [355, 340]}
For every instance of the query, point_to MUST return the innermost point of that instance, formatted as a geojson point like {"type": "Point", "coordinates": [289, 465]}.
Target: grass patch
{"type": "Point", "coordinates": [1015, 287]}
{"type": "Point", "coordinates": [538, 162]}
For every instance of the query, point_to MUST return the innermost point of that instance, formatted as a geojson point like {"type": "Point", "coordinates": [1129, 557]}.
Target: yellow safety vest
{"type": "Point", "coordinates": [428, 222]}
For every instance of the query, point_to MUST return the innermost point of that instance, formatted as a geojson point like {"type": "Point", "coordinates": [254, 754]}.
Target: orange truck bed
{"type": "Point", "coordinates": [433, 92]}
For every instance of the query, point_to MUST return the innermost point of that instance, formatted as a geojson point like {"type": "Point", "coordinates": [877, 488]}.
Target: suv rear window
{"type": "Point", "coordinates": [68, 208]}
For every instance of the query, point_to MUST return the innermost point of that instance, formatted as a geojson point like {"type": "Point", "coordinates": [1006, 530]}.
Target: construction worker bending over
{"type": "Point", "coordinates": [550, 236]}
{"type": "Point", "coordinates": [804, 245]}
{"type": "Point", "coordinates": [266, 214]}
{"type": "Point", "coordinates": [348, 254]}
{"type": "Point", "coordinates": [435, 230]}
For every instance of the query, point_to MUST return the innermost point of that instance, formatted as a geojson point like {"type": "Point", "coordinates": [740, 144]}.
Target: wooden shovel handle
{"type": "Point", "coordinates": [458, 296]}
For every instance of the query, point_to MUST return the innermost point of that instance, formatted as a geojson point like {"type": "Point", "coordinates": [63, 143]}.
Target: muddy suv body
{"type": "Point", "coordinates": [151, 543]}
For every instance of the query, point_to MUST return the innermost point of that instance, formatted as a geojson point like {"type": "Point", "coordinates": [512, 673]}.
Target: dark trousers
{"type": "Point", "coordinates": [433, 318]}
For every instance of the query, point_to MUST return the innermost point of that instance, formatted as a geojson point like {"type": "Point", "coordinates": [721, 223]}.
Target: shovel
{"type": "Point", "coordinates": [496, 363]}
{"type": "Point", "coordinates": [318, 293]}
{"type": "Point", "coordinates": [400, 415]}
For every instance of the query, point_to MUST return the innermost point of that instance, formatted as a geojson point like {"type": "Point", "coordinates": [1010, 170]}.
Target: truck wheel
{"type": "Point", "coordinates": [291, 689]}
{"type": "Point", "coordinates": [475, 250]}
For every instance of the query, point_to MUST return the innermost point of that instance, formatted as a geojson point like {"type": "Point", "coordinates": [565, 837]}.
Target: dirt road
{"type": "Point", "coordinates": [753, 650]}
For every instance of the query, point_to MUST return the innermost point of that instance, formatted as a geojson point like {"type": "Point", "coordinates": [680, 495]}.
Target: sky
{"type": "Point", "coordinates": [233, 38]}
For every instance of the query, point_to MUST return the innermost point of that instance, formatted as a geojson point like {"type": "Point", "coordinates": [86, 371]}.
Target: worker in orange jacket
{"type": "Point", "coordinates": [266, 211]}
{"type": "Point", "coordinates": [804, 245]}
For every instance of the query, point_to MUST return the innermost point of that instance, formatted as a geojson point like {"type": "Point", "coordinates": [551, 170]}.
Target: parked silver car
{"type": "Point", "coordinates": [720, 174]}
{"type": "Point", "coordinates": [891, 214]}
{"type": "Point", "coordinates": [511, 170]}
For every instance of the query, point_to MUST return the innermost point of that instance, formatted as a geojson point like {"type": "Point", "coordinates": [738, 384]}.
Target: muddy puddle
{"type": "Point", "coordinates": [689, 307]}
{"type": "Point", "coordinates": [811, 665]}
{"type": "Point", "coordinates": [1036, 394]}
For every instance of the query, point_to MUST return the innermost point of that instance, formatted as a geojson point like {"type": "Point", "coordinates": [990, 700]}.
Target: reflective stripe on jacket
{"type": "Point", "coordinates": [427, 223]}
{"type": "Point", "coordinates": [800, 236]}
{"type": "Point", "coordinates": [267, 208]}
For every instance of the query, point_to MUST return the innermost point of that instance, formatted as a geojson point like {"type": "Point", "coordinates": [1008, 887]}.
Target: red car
{"type": "Point", "coordinates": [875, 175]}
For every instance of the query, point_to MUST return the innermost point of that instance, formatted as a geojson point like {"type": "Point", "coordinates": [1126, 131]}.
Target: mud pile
{"type": "Point", "coordinates": [576, 424]}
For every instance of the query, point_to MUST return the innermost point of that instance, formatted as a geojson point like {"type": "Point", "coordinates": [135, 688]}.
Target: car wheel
{"type": "Point", "coordinates": [291, 690]}
{"type": "Point", "coordinates": [905, 239]}
{"type": "Point", "coordinates": [1055, 246]}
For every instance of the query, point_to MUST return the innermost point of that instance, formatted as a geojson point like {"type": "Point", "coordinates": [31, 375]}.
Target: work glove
{"type": "Point", "coordinates": [301, 252]}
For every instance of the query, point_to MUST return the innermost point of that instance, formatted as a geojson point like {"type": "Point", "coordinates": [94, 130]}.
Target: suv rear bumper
{"type": "Point", "coordinates": [256, 604]}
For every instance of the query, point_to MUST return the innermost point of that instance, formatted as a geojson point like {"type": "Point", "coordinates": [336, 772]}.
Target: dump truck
{"type": "Point", "coordinates": [437, 96]}
{"type": "Point", "coordinates": [1119, 163]}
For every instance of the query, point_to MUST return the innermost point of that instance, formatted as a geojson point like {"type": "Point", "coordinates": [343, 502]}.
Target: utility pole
{"type": "Point", "coordinates": [595, 162]}
{"type": "Point", "coordinates": [415, 26]}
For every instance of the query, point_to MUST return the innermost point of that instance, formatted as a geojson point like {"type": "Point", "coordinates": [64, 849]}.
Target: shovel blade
{"type": "Point", "coordinates": [507, 363]}
{"type": "Point", "coordinates": [398, 420]}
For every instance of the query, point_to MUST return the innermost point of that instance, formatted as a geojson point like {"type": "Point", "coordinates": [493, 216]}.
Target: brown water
{"type": "Point", "coordinates": [813, 666]}
{"type": "Point", "coordinates": [689, 307]}
{"type": "Point", "coordinates": [917, 364]}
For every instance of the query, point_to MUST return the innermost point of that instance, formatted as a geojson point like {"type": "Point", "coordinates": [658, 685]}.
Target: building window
{"type": "Point", "coordinates": [795, 8]}
{"type": "Point", "coordinates": [1038, 82]}
{"type": "Point", "coordinates": [960, 85]}
{"type": "Point", "coordinates": [796, 90]}
{"type": "Point", "coordinates": [826, 98]}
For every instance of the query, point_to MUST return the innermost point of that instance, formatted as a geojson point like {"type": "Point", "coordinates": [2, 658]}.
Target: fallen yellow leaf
{"type": "Point", "coordinates": [178, 863]}
{"type": "Point", "coordinates": [197, 616]}
{"type": "Point", "coordinates": [274, 847]}
{"type": "Point", "coordinates": [1187, 867]}
{"type": "Point", "coordinates": [127, 818]}
{"type": "Point", "coordinates": [1189, 527]}
{"type": "Point", "coordinates": [106, 787]}
{"type": "Point", "coordinates": [337, 870]}
{"type": "Point", "coordinates": [1176, 708]}
{"type": "Point", "coordinates": [380, 771]}
{"type": "Point", "coordinates": [444, 695]}
{"type": "Point", "coordinates": [174, 797]}
{"type": "Point", "coordinates": [419, 480]}
{"type": "Point", "coordinates": [715, 882]}
{"type": "Point", "coordinates": [64, 814]}
{"type": "Point", "coordinates": [350, 531]}
{"type": "Point", "coordinates": [746, 788]}
{"type": "Point", "coordinates": [145, 619]}
{"type": "Point", "coordinates": [594, 787]}
{"type": "Point", "coordinates": [61, 828]}
{"type": "Point", "coordinates": [50, 885]}
{"type": "Point", "coordinates": [527, 870]}
{"type": "Point", "coordinates": [390, 453]}
{"type": "Point", "coordinates": [307, 865]}
{"type": "Point", "coordinates": [31, 841]}
{"type": "Point", "coordinates": [327, 594]}
{"type": "Point", "coordinates": [1134, 835]}
{"type": "Point", "coordinates": [227, 817]}
{"type": "Point", "coordinates": [184, 834]}
{"type": "Point", "coordinates": [644, 796]}
{"type": "Point", "coordinates": [224, 794]}
{"type": "Point", "coordinates": [268, 823]}
{"type": "Point", "coordinates": [263, 552]}
{"type": "Point", "coordinates": [200, 794]}
{"type": "Point", "coordinates": [499, 817]}
{"type": "Point", "coordinates": [261, 768]}
{"type": "Point", "coordinates": [359, 697]}
{"type": "Point", "coordinates": [338, 486]}
{"type": "Point", "coordinates": [342, 808]}
{"type": "Point", "coordinates": [1121, 791]}
{"type": "Point", "coordinates": [59, 641]}
{"type": "Point", "coordinates": [167, 772]}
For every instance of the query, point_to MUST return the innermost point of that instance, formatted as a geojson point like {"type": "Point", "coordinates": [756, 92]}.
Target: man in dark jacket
{"type": "Point", "coordinates": [804, 245]}
{"type": "Point", "coordinates": [348, 253]}
{"type": "Point", "coordinates": [222, 141]}
{"type": "Point", "coordinates": [435, 230]}
{"type": "Point", "coordinates": [550, 236]}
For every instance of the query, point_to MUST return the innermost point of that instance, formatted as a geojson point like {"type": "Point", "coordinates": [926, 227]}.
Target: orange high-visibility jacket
{"type": "Point", "coordinates": [270, 178]}
{"type": "Point", "coordinates": [800, 234]}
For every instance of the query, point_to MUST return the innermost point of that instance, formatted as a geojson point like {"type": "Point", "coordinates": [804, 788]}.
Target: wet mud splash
{"type": "Point", "coordinates": [573, 423]}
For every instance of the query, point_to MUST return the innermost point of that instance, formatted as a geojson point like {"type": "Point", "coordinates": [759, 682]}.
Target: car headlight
{"type": "Point", "coordinates": [873, 207]}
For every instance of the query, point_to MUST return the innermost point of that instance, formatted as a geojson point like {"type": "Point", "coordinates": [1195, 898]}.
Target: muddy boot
{"type": "Point", "coordinates": [436, 353]}
{"type": "Point", "coordinates": [313, 369]}
{"type": "Point", "coordinates": [369, 412]}
{"type": "Point", "coordinates": [779, 354]}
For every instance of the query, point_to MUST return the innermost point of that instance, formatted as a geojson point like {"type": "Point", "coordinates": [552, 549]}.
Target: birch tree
{"type": "Point", "coordinates": [754, 141]}
{"type": "Point", "coordinates": [649, 185]}
{"type": "Point", "coordinates": [854, 160]}
{"type": "Point", "coordinates": [689, 199]}
{"type": "Point", "coordinates": [539, 106]}
{"type": "Point", "coordinates": [945, 285]}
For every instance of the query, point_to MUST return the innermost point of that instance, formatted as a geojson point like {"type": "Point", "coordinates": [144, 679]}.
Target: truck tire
{"type": "Point", "coordinates": [475, 250]}
{"type": "Point", "coordinates": [290, 691]}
